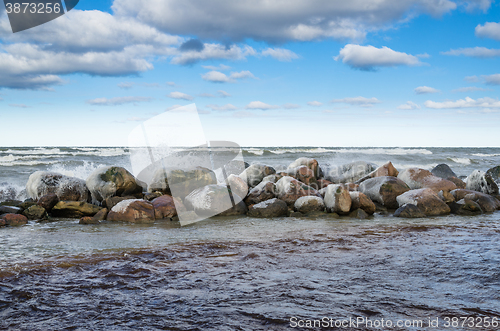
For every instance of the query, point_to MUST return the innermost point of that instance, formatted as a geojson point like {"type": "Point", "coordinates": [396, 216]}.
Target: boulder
{"type": "Point", "coordinates": [48, 201]}
{"type": "Point", "coordinates": [238, 209]}
{"type": "Point", "coordinates": [384, 170]}
{"type": "Point", "coordinates": [180, 182]}
{"type": "Point", "coordinates": [14, 219]}
{"type": "Point", "coordinates": [362, 201]}
{"type": "Point", "coordinates": [481, 181]}
{"type": "Point", "coordinates": [269, 208]}
{"type": "Point", "coordinates": [322, 183]}
{"type": "Point", "coordinates": [359, 214]}
{"type": "Point", "coordinates": [2, 221]}
{"type": "Point", "coordinates": [100, 216]}
{"type": "Point", "coordinates": [109, 203]}
{"type": "Point", "coordinates": [255, 173]}
{"type": "Point", "coordinates": [26, 204]}
{"type": "Point", "coordinates": [465, 207]}
{"type": "Point", "coordinates": [12, 203]}
{"type": "Point", "coordinates": [337, 199]}
{"type": "Point", "coordinates": [289, 190]}
{"type": "Point", "coordinates": [457, 181]}
{"type": "Point", "coordinates": [309, 163]}
{"type": "Point", "coordinates": [132, 211]}
{"type": "Point", "coordinates": [494, 173]}
{"type": "Point", "coordinates": [41, 183]}
{"type": "Point", "coordinates": [426, 200]}
{"type": "Point", "coordinates": [74, 209]}
{"type": "Point", "coordinates": [35, 212]}
{"type": "Point", "coordinates": [210, 200]}
{"type": "Point", "coordinates": [10, 210]}
{"type": "Point", "coordinates": [112, 181]}
{"type": "Point", "coordinates": [443, 171]}
{"type": "Point", "coordinates": [417, 178]}
{"type": "Point", "coordinates": [308, 204]}
{"type": "Point", "coordinates": [88, 220]}
{"type": "Point", "coordinates": [384, 190]}
{"type": "Point", "coordinates": [348, 173]}
{"type": "Point", "coordinates": [487, 203]}
{"type": "Point", "coordinates": [151, 196]}
{"type": "Point", "coordinates": [237, 185]}
{"type": "Point", "coordinates": [164, 207]}
{"type": "Point", "coordinates": [409, 210]}
{"type": "Point", "coordinates": [303, 174]}
{"type": "Point", "coordinates": [7, 192]}
{"type": "Point", "coordinates": [272, 178]}
{"type": "Point", "coordinates": [264, 191]}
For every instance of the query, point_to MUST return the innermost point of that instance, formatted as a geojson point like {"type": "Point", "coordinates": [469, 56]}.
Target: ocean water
{"type": "Point", "coordinates": [242, 273]}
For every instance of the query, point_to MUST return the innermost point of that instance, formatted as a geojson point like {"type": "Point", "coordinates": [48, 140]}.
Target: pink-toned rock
{"type": "Point", "coordinates": [262, 192]}
{"type": "Point", "coordinates": [387, 169]}
{"type": "Point", "coordinates": [289, 190]}
{"type": "Point", "coordinates": [362, 201]}
{"type": "Point", "coordinates": [303, 174]}
{"type": "Point", "coordinates": [322, 183]}
{"type": "Point", "coordinates": [133, 211]}
{"type": "Point", "coordinates": [309, 163]}
{"type": "Point", "coordinates": [15, 219]}
{"type": "Point", "coordinates": [48, 201]}
{"type": "Point", "coordinates": [457, 181]}
{"type": "Point", "coordinates": [417, 178]}
{"type": "Point", "coordinates": [164, 207]}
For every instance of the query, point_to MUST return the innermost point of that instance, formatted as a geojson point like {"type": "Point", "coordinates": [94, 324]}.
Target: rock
{"type": "Point", "coordinates": [487, 203]}
{"type": "Point", "coordinates": [254, 174]}
{"type": "Point", "coordinates": [14, 219]}
{"type": "Point", "coordinates": [466, 207]}
{"type": "Point", "coordinates": [12, 203]}
{"type": "Point", "coordinates": [132, 211]}
{"type": "Point", "coordinates": [238, 209]}
{"type": "Point", "coordinates": [494, 173]}
{"type": "Point", "coordinates": [309, 163]}
{"type": "Point", "coordinates": [409, 211]}
{"type": "Point", "coordinates": [303, 174]}
{"type": "Point", "coordinates": [262, 192]}
{"type": "Point", "coordinates": [443, 171]}
{"type": "Point", "coordinates": [26, 204]}
{"type": "Point", "coordinates": [322, 183]}
{"type": "Point", "coordinates": [272, 178]}
{"type": "Point", "coordinates": [152, 196]}
{"type": "Point", "coordinates": [181, 181]}
{"type": "Point", "coordinates": [352, 187]}
{"type": "Point", "coordinates": [457, 181]}
{"type": "Point", "coordinates": [10, 210]}
{"type": "Point", "coordinates": [337, 199]}
{"type": "Point", "coordinates": [359, 214]}
{"type": "Point", "coordinates": [88, 220]}
{"type": "Point", "coordinates": [107, 182]}
{"type": "Point", "coordinates": [308, 204]}
{"type": "Point", "coordinates": [210, 200]}
{"type": "Point", "coordinates": [481, 182]}
{"type": "Point", "coordinates": [384, 170]}
{"type": "Point", "coordinates": [41, 183]}
{"type": "Point", "coordinates": [417, 178]}
{"type": "Point", "coordinates": [348, 173]}
{"type": "Point", "coordinates": [384, 190]}
{"type": "Point", "coordinates": [289, 190]}
{"type": "Point", "coordinates": [7, 192]}
{"type": "Point", "coordinates": [2, 221]}
{"type": "Point", "coordinates": [269, 208]}
{"type": "Point", "coordinates": [446, 196]}
{"type": "Point", "coordinates": [164, 207]}
{"type": "Point", "coordinates": [238, 185]}
{"type": "Point", "coordinates": [74, 209]}
{"type": "Point", "coordinates": [100, 216]}
{"type": "Point", "coordinates": [48, 201]}
{"type": "Point", "coordinates": [35, 212]}
{"type": "Point", "coordinates": [426, 200]}
{"type": "Point", "coordinates": [361, 200]}
{"type": "Point", "coordinates": [109, 203]}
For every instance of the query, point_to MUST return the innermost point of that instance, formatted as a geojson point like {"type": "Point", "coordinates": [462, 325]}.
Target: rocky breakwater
{"type": "Point", "coordinates": [304, 189]}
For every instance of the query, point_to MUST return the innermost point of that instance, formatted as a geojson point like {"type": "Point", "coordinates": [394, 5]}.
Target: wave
{"type": "Point", "coordinates": [460, 160]}
{"type": "Point", "coordinates": [485, 155]}
{"type": "Point", "coordinates": [319, 150]}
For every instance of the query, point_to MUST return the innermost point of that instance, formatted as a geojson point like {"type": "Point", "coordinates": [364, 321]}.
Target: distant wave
{"type": "Point", "coordinates": [320, 150]}
{"type": "Point", "coordinates": [485, 155]}
{"type": "Point", "coordinates": [460, 160]}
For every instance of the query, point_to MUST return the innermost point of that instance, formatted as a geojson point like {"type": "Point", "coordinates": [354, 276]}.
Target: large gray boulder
{"type": "Point", "coordinates": [384, 190]}
{"type": "Point", "coordinates": [269, 208]}
{"type": "Point", "coordinates": [254, 174]}
{"type": "Point", "coordinates": [443, 171]}
{"type": "Point", "coordinates": [67, 188]}
{"type": "Point", "coordinates": [112, 181]}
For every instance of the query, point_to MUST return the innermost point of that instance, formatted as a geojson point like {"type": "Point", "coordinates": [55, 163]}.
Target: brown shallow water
{"type": "Point", "coordinates": [248, 274]}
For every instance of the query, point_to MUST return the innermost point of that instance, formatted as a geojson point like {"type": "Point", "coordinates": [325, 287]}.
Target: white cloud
{"type": "Point", "coordinates": [180, 95]}
{"type": "Point", "coordinates": [300, 20]}
{"type": "Point", "coordinates": [260, 105]}
{"type": "Point", "coordinates": [125, 85]}
{"type": "Point", "coordinates": [220, 77]}
{"type": "Point", "coordinates": [19, 105]}
{"type": "Point", "coordinates": [291, 106]}
{"type": "Point", "coordinates": [471, 79]}
{"type": "Point", "coordinates": [226, 107]}
{"type": "Point", "coordinates": [370, 57]}
{"type": "Point", "coordinates": [221, 67]}
{"type": "Point", "coordinates": [481, 52]}
{"type": "Point", "coordinates": [358, 101]}
{"type": "Point", "coordinates": [117, 101]}
{"type": "Point", "coordinates": [223, 93]}
{"type": "Point", "coordinates": [425, 90]}
{"type": "Point", "coordinates": [128, 85]}
{"type": "Point", "coordinates": [409, 105]}
{"type": "Point", "coordinates": [492, 79]}
{"type": "Point", "coordinates": [470, 89]}
{"type": "Point", "coordinates": [210, 52]}
{"type": "Point", "coordinates": [170, 84]}
{"type": "Point", "coordinates": [280, 54]}
{"type": "Point", "coordinates": [488, 30]}
{"type": "Point", "coordinates": [173, 107]}
{"type": "Point", "coordinates": [206, 95]}
{"type": "Point", "coordinates": [464, 103]}
{"type": "Point", "coordinates": [315, 103]}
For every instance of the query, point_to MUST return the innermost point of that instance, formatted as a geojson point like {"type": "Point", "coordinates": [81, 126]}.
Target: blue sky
{"type": "Point", "coordinates": [313, 73]}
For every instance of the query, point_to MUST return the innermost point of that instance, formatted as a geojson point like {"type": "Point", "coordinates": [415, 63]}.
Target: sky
{"type": "Point", "coordinates": [373, 73]}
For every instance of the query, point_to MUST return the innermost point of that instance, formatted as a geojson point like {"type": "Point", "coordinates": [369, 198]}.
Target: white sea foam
{"type": "Point", "coordinates": [460, 160]}
{"type": "Point", "coordinates": [385, 151]}
{"type": "Point", "coordinates": [485, 155]}
{"type": "Point", "coordinates": [82, 171]}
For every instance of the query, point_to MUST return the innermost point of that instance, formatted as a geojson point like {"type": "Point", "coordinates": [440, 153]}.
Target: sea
{"type": "Point", "coordinates": [243, 273]}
